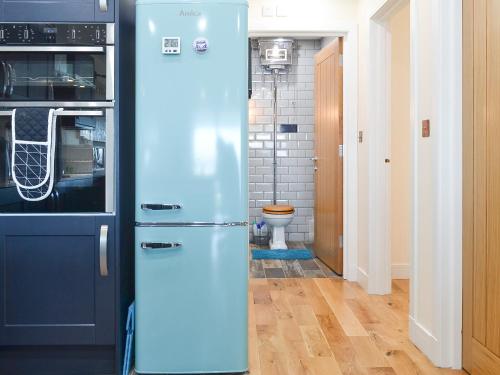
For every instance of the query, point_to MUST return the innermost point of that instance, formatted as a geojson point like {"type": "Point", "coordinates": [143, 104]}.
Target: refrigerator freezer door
{"type": "Point", "coordinates": [192, 113]}
{"type": "Point", "coordinates": [191, 300]}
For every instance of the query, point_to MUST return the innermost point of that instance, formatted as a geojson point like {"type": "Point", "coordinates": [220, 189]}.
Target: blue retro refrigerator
{"type": "Point", "coordinates": [191, 235]}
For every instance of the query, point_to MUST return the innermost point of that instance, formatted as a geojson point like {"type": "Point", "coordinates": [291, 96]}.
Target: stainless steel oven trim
{"type": "Point", "coordinates": [110, 73]}
{"type": "Point", "coordinates": [14, 104]}
{"type": "Point", "coordinates": [110, 33]}
{"type": "Point", "coordinates": [110, 161]}
{"type": "Point", "coordinates": [32, 48]}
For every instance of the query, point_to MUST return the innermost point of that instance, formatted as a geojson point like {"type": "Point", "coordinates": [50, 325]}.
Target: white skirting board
{"type": "Point", "coordinates": [424, 340]}
{"type": "Point", "coordinates": [363, 278]}
{"type": "Point", "coordinates": [400, 271]}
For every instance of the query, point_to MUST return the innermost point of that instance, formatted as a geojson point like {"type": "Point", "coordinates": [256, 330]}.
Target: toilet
{"type": "Point", "coordinates": [278, 217]}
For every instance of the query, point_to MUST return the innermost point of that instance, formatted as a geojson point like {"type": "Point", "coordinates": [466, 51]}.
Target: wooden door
{"type": "Point", "coordinates": [328, 206]}
{"type": "Point", "coordinates": [481, 187]}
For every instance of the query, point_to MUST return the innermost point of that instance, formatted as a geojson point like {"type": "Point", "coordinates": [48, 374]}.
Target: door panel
{"type": "Point", "coordinates": [481, 187]}
{"type": "Point", "coordinates": [48, 10]}
{"type": "Point", "coordinates": [328, 208]}
{"type": "Point", "coordinates": [194, 154]}
{"type": "Point", "coordinates": [51, 291]}
{"type": "Point", "coordinates": [191, 302]}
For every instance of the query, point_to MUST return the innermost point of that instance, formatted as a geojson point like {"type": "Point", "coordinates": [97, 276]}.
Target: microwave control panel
{"type": "Point", "coordinates": [53, 34]}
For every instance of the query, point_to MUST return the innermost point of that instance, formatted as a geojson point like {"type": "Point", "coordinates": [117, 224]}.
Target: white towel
{"type": "Point", "coordinates": [33, 151]}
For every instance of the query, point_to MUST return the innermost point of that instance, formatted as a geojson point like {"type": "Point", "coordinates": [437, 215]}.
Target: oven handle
{"type": "Point", "coordinates": [10, 89]}
{"type": "Point", "coordinates": [66, 113]}
{"type": "Point", "coordinates": [51, 49]}
{"type": "Point", "coordinates": [5, 79]}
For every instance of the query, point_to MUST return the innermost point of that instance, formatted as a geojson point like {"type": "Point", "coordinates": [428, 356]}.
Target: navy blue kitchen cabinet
{"type": "Point", "coordinates": [58, 283]}
{"type": "Point", "coordinates": [57, 10]}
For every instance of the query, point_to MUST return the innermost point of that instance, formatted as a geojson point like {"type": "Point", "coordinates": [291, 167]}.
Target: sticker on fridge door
{"type": "Point", "coordinates": [200, 45]}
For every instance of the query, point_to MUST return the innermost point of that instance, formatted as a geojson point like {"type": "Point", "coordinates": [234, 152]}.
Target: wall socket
{"type": "Point", "coordinates": [267, 11]}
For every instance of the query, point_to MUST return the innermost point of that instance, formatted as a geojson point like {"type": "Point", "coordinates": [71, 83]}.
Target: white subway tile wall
{"type": "Point", "coordinates": [295, 177]}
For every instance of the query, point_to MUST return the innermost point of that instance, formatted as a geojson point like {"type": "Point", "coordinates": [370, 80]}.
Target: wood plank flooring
{"type": "Point", "coordinates": [312, 326]}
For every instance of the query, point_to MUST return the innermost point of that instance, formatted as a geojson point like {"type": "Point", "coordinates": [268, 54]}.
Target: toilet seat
{"type": "Point", "coordinates": [278, 209]}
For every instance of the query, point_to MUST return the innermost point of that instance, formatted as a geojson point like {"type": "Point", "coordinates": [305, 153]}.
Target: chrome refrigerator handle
{"type": "Point", "coordinates": [160, 245]}
{"type": "Point", "coordinates": [103, 5]}
{"type": "Point", "coordinates": [103, 250]}
{"type": "Point", "coordinates": [160, 206]}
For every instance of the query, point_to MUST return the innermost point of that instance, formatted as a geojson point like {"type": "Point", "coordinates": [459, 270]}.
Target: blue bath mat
{"type": "Point", "coordinates": [290, 254]}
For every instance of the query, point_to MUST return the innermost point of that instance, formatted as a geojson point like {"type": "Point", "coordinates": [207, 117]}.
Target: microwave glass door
{"type": "Point", "coordinates": [54, 76]}
{"type": "Point", "coordinates": [83, 175]}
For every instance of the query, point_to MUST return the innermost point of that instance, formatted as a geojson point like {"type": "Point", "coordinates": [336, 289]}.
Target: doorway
{"type": "Point", "coordinates": [400, 143]}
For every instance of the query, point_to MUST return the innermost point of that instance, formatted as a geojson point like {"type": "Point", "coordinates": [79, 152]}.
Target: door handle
{"type": "Point", "coordinates": [160, 206]}
{"type": "Point", "coordinates": [160, 245]}
{"type": "Point", "coordinates": [103, 5]}
{"type": "Point", "coordinates": [103, 250]}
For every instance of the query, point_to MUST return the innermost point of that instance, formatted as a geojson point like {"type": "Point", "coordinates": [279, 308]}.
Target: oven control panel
{"type": "Point", "coordinates": [55, 34]}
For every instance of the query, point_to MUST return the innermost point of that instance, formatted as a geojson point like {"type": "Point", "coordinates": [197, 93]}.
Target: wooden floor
{"type": "Point", "coordinates": [330, 327]}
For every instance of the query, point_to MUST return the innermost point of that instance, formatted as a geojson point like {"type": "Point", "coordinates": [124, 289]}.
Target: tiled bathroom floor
{"type": "Point", "coordinates": [280, 269]}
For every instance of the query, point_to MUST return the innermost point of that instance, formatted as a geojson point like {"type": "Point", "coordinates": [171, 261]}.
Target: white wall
{"type": "Point", "coordinates": [435, 292]}
{"type": "Point", "coordinates": [312, 16]}
{"type": "Point", "coordinates": [400, 143]}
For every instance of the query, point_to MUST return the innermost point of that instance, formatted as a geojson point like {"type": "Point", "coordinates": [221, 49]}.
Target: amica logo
{"type": "Point", "coordinates": [189, 13]}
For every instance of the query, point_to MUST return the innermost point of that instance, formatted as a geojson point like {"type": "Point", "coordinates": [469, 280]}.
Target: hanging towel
{"type": "Point", "coordinates": [33, 148]}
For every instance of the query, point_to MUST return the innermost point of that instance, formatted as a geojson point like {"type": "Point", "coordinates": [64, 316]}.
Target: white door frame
{"type": "Point", "coordinates": [379, 212]}
{"type": "Point", "coordinates": [350, 61]}
{"type": "Point", "coordinates": [442, 342]}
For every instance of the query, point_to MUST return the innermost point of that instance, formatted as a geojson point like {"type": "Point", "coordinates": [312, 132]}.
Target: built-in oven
{"type": "Point", "coordinates": [57, 62]}
{"type": "Point", "coordinates": [68, 67]}
{"type": "Point", "coordinates": [84, 163]}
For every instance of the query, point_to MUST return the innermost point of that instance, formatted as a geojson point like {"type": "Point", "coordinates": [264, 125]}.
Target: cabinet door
{"type": "Point", "coordinates": [53, 290]}
{"type": "Point", "coordinates": [48, 10]}
{"type": "Point", "coordinates": [104, 10]}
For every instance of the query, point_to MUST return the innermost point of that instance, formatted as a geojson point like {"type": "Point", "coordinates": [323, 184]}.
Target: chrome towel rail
{"type": "Point", "coordinates": [65, 113]}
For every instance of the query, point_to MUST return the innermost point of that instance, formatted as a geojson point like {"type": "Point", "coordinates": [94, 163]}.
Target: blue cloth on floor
{"type": "Point", "coordinates": [290, 254]}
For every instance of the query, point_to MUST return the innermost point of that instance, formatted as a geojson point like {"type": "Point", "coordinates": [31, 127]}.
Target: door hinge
{"type": "Point", "coordinates": [341, 60]}
{"type": "Point", "coordinates": [341, 241]}
{"type": "Point", "coordinates": [341, 151]}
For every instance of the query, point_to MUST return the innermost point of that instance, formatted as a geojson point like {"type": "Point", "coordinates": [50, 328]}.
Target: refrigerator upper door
{"type": "Point", "coordinates": [191, 113]}
{"type": "Point", "coordinates": [191, 300]}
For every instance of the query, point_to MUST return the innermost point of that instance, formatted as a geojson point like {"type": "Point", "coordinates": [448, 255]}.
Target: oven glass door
{"type": "Point", "coordinates": [47, 73]}
{"type": "Point", "coordinates": [84, 165]}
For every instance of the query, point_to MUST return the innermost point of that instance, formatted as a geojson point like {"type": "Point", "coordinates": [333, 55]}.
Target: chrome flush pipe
{"type": "Point", "coordinates": [275, 130]}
